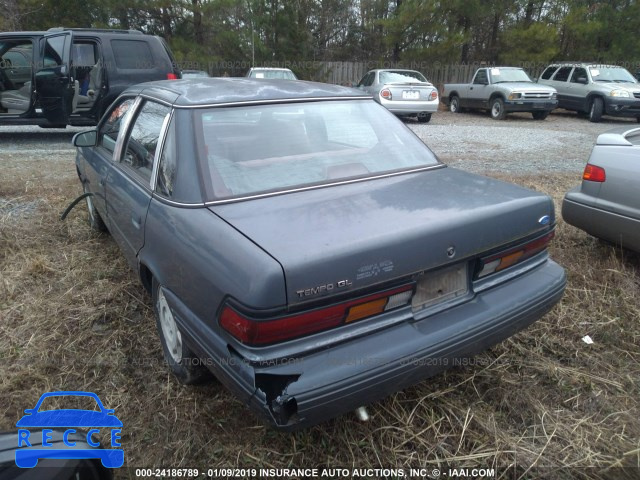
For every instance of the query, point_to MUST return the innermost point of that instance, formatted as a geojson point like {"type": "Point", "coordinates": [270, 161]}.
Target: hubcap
{"type": "Point", "coordinates": [170, 331]}
{"type": "Point", "coordinates": [496, 109]}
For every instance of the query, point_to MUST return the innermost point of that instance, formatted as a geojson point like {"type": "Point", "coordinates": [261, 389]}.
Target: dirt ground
{"type": "Point", "coordinates": [543, 404]}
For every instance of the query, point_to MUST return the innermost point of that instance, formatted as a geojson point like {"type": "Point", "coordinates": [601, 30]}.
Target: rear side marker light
{"type": "Point", "coordinates": [594, 174]}
{"type": "Point", "coordinates": [262, 332]}
{"type": "Point", "coordinates": [510, 257]}
{"type": "Point", "coordinates": [172, 76]}
{"type": "Point", "coordinates": [386, 94]}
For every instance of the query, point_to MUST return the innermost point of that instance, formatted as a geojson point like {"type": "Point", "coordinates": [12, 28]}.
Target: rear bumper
{"type": "Point", "coordinates": [622, 107]}
{"type": "Point", "coordinates": [610, 226]}
{"type": "Point", "coordinates": [404, 107]}
{"type": "Point", "coordinates": [328, 383]}
{"type": "Point", "coordinates": [530, 105]}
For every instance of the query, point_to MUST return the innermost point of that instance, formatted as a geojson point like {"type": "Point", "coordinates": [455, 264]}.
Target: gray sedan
{"type": "Point", "coordinates": [403, 92]}
{"type": "Point", "coordinates": [607, 204]}
{"type": "Point", "coordinates": [306, 244]}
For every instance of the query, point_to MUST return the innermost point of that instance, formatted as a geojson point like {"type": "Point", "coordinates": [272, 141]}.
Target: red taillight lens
{"type": "Point", "coordinates": [263, 332]}
{"type": "Point", "coordinates": [172, 76]}
{"type": "Point", "coordinates": [386, 94]}
{"type": "Point", "coordinates": [434, 95]}
{"type": "Point", "coordinates": [510, 257]}
{"type": "Point", "coordinates": [594, 174]}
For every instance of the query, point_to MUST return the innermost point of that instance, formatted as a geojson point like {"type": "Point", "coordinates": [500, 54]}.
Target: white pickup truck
{"type": "Point", "coordinates": [501, 90]}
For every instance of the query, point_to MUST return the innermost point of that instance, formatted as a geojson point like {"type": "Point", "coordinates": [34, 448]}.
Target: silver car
{"type": "Point", "coordinates": [594, 90]}
{"type": "Point", "coordinates": [271, 73]}
{"type": "Point", "coordinates": [607, 204]}
{"type": "Point", "coordinates": [403, 92]}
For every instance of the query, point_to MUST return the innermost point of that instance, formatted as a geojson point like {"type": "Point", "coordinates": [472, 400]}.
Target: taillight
{"type": "Point", "coordinates": [434, 95]}
{"type": "Point", "coordinates": [594, 173]}
{"type": "Point", "coordinates": [386, 94]}
{"type": "Point", "coordinates": [262, 332]}
{"type": "Point", "coordinates": [510, 257]}
{"type": "Point", "coordinates": [172, 76]}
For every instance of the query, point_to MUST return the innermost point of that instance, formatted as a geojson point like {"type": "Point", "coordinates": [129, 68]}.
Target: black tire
{"type": "Point", "coordinates": [95, 220]}
{"type": "Point", "coordinates": [454, 104]}
{"type": "Point", "coordinates": [497, 109]}
{"type": "Point", "coordinates": [425, 118]}
{"type": "Point", "coordinates": [596, 110]}
{"type": "Point", "coordinates": [186, 366]}
{"type": "Point", "coordinates": [539, 115]}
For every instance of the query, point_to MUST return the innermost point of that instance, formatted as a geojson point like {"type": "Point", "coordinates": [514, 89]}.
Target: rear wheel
{"type": "Point", "coordinates": [497, 109]}
{"type": "Point", "coordinates": [539, 115]}
{"type": "Point", "coordinates": [597, 107]}
{"type": "Point", "coordinates": [454, 104]}
{"type": "Point", "coordinates": [186, 366]}
{"type": "Point", "coordinates": [424, 117]}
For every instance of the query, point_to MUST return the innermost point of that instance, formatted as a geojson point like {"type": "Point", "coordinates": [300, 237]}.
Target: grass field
{"type": "Point", "coordinates": [543, 404]}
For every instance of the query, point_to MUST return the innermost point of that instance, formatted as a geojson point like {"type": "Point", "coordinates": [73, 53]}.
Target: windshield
{"type": "Point", "coordinates": [271, 148]}
{"type": "Point", "coordinates": [401, 76]}
{"type": "Point", "coordinates": [273, 74]}
{"type": "Point", "coordinates": [499, 75]}
{"type": "Point", "coordinates": [611, 74]}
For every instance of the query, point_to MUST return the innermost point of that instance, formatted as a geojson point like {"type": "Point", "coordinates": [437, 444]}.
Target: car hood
{"type": "Point", "coordinates": [527, 86]}
{"type": "Point", "coordinates": [630, 87]}
{"type": "Point", "coordinates": [357, 235]}
{"type": "Point", "coordinates": [69, 418]}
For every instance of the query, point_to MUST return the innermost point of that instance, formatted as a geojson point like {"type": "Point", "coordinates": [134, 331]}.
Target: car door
{"type": "Point", "coordinates": [561, 84]}
{"type": "Point", "coordinates": [577, 89]}
{"type": "Point", "coordinates": [100, 159]}
{"type": "Point", "coordinates": [128, 188]}
{"type": "Point", "coordinates": [477, 95]}
{"type": "Point", "coordinates": [55, 85]}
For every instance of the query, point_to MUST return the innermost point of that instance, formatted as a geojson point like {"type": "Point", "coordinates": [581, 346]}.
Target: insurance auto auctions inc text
{"type": "Point", "coordinates": [475, 473]}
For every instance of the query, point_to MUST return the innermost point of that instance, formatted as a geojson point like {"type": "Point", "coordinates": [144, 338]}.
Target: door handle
{"type": "Point", "coordinates": [136, 219]}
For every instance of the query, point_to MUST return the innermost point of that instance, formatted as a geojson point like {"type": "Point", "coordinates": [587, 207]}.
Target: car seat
{"type": "Point", "coordinates": [16, 101]}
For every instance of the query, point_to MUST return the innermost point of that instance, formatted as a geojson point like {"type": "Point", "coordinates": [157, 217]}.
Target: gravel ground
{"type": "Point", "coordinates": [516, 146]}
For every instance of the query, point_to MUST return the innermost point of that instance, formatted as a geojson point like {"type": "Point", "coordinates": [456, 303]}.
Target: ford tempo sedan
{"type": "Point", "coordinates": [306, 244]}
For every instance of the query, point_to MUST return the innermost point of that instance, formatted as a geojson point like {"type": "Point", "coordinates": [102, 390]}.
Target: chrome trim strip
{"type": "Point", "coordinates": [160, 149]}
{"type": "Point", "coordinates": [275, 101]}
{"type": "Point", "coordinates": [162, 199]}
{"type": "Point", "coordinates": [124, 130]}
{"type": "Point", "coordinates": [155, 99]}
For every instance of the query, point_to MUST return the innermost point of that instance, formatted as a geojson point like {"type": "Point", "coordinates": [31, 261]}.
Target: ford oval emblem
{"type": "Point", "coordinates": [544, 220]}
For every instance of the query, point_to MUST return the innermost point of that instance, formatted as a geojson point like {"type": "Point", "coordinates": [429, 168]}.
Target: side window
{"type": "Point", "coordinates": [108, 133]}
{"type": "Point", "coordinates": [562, 74]}
{"type": "Point", "coordinates": [132, 55]}
{"type": "Point", "coordinates": [578, 73]}
{"type": "Point", "coordinates": [143, 139]}
{"type": "Point", "coordinates": [167, 166]}
{"type": "Point", "coordinates": [54, 51]}
{"type": "Point", "coordinates": [481, 77]}
{"type": "Point", "coordinates": [546, 75]}
{"type": "Point", "coordinates": [367, 80]}
{"type": "Point", "coordinates": [15, 64]}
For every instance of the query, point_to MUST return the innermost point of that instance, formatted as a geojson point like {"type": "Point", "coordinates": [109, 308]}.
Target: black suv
{"type": "Point", "coordinates": [69, 76]}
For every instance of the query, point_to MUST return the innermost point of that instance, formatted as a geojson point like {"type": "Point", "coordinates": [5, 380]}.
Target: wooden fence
{"type": "Point", "coordinates": [348, 73]}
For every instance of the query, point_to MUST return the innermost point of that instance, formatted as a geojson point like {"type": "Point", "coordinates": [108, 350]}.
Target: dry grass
{"type": "Point", "coordinates": [541, 405]}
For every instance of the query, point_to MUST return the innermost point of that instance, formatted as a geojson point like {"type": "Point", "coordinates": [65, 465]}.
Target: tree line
{"type": "Point", "coordinates": [267, 31]}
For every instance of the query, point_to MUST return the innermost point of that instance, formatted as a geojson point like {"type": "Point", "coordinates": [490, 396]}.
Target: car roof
{"type": "Point", "coordinates": [583, 64]}
{"type": "Point", "coordinates": [194, 92]}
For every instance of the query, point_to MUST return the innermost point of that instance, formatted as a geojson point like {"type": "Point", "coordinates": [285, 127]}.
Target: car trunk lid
{"type": "Point", "coordinates": [354, 236]}
{"type": "Point", "coordinates": [410, 90]}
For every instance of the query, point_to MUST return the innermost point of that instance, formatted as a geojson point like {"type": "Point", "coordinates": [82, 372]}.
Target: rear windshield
{"type": "Point", "coordinates": [401, 76]}
{"type": "Point", "coordinates": [270, 148]}
{"type": "Point", "coordinates": [273, 74]}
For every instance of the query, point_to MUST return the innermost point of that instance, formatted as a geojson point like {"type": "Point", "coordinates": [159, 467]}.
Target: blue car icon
{"type": "Point", "coordinates": [70, 419]}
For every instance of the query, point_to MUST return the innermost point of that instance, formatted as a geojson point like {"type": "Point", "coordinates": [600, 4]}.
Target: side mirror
{"type": "Point", "coordinates": [582, 80]}
{"type": "Point", "coordinates": [85, 139]}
